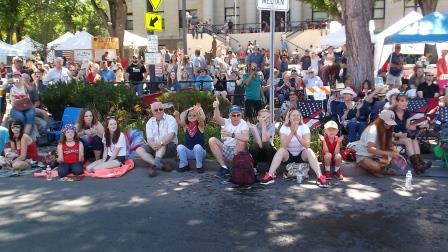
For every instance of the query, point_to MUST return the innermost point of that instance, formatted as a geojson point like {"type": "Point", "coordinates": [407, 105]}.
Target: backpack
{"type": "Point", "coordinates": [243, 169]}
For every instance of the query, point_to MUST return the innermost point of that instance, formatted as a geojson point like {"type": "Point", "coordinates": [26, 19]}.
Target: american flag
{"type": "Point", "coordinates": [68, 54]}
{"type": "Point", "coordinates": [417, 107]}
{"type": "Point", "coordinates": [311, 111]}
{"type": "Point", "coordinates": [442, 116]}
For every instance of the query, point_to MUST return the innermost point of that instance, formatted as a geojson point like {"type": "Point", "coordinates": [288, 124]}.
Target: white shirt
{"type": "Point", "coordinates": [411, 93]}
{"type": "Point", "coordinates": [158, 131]}
{"type": "Point", "coordinates": [294, 147]}
{"type": "Point", "coordinates": [370, 134]}
{"type": "Point", "coordinates": [121, 143]}
{"type": "Point", "coordinates": [56, 75]}
{"type": "Point", "coordinates": [229, 127]}
{"type": "Point", "coordinates": [313, 82]}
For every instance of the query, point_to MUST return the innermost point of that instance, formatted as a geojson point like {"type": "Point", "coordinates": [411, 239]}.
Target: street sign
{"type": "Point", "coordinates": [155, 4]}
{"type": "Point", "coordinates": [152, 58]}
{"type": "Point", "coordinates": [153, 21]}
{"type": "Point", "coordinates": [275, 5]}
{"type": "Point", "coordinates": [153, 43]}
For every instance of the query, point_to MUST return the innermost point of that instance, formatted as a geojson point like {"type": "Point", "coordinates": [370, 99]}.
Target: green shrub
{"type": "Point", "coordinates": [185, 99]}
{"type": "Point", "coordinates": [101, 97]}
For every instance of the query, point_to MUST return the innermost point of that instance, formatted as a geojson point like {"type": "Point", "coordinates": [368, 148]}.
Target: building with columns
{"type": "Point", "coordinates": [245, 16]}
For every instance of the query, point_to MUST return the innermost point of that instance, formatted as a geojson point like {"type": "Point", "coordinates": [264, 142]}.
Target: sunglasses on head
{"type": "Point", "coordinates": [110, 117]}
{"type": "Point", "coordinates": [236, 115]}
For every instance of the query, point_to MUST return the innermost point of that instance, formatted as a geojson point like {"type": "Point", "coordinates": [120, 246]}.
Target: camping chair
{"type": "Point", "coordinates": [70, 116]}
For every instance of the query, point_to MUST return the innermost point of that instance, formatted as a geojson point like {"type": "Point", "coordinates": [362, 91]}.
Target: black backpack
{"type": "Point", "coordinates": [243, 169]}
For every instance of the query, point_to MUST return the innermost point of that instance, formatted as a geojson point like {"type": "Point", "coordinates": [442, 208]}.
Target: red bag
{"type": "Point", "coordinates": [243, 169]}
{"type": "Point", "coordinates": [23, 104]}
{"type": "Point", "coordinates": [349, 154]}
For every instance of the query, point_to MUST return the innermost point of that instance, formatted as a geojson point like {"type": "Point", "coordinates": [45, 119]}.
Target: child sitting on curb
{"type": "Point", "coordinates": [70, 152]}
{"type": "Point", "coordinates": [331, 147]}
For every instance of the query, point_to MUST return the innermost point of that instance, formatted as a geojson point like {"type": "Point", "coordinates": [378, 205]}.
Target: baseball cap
{"type": "Point", "coordinates": [331, 124]}
{"type": "Point", "coordinates": [388, 117]}
{"type": "Point", "coordinates": [235, 109]}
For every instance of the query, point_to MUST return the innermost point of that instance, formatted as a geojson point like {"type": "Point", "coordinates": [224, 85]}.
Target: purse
{"type": "Point", "coordinates": [24, 103]}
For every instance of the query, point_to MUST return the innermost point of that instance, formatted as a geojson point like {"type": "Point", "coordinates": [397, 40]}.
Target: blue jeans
{"type": "Point", "coordinates": [138, 89]}
{"type": "Point", "coordinates": [198, 153]}
{"type": "Point", "coordinates": [355, 130]}
{"type": "Point", "coordinates": [65, 169]}
{"type": "Point", "coordinates": [91, 144]}
{"type": "Point", "coordinates": [26, 117]}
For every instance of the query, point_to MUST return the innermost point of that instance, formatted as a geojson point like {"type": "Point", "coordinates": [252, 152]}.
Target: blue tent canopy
{"type": "Point", "coordinates": [430, 29]}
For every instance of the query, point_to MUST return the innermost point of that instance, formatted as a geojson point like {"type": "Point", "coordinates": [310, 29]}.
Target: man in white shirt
{"type": "Point", "coordinates": [161, 133]}
{"type": "Point", "coordinates": [311, 79]}
{"type": "Point", "coordinates": [234, 134]}
{"type": "Point", "coordinates": [58, 73]}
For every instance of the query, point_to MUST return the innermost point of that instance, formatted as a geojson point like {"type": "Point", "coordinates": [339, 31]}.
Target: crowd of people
{"type": "Point", "coordinates": [374, 119]}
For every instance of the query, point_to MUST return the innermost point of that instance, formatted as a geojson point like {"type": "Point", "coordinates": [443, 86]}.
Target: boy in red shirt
{"type": "Point", "coordinates": [331, 147]}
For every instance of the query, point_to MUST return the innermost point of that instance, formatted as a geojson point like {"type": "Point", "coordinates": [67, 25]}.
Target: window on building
{"type": "Point", "coordinates": [318, 14]}
{"type": "Point", "coordinates": [229, 14]}
{"type": "Point", "coordinates": [129, 22]}
{"type": "Point", "coordinates": [163, 19]}
{"type": "Point", "coordinates": [378, 11]}
{"type": "Point", "coordinates": [410, 5]}
{"type": "Point", "coordinates": [193, 14]}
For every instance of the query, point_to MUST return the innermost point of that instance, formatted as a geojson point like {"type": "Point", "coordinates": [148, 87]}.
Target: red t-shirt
{"type": "Point", "coordinates": [441, 64]}
{"type": "Point", "coordinates": [70, 154]}
{"type": "Point", "coordinates": [331, 146]}
{"type": "Point", "coordinates": [31, 151]}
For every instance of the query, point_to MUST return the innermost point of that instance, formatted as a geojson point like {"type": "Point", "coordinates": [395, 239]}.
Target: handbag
{"type": "Point", "coordinates": [24, 103]}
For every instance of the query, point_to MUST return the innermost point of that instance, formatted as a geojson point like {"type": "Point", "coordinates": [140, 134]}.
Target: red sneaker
{"type": "Point", "coordinates": [327, 174]}
{"type": "Point", "coordinates": [322, 182]}
{"type": "Point", "coordinates": [339, 174]}
{"type": "Point", "coordinates": [267, 179]}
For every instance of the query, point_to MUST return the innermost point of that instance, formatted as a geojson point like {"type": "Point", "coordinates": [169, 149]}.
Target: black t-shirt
{"type": "Point", "coordinates": [136, 72]}
{"type": "Point", "coordinates": [306, 62]}
{"type": "Point", "coordinates": [221, 84]}
{"type": "Point", "coordinates": [428, 90]}
{"type": "Point", "coordinates": [401, 124]}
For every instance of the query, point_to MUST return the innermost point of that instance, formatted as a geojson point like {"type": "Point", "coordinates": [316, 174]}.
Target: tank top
{"type": "Point", "coordinates": [331, 146]}
{"type": "Point", "coordinates": [70, 154]}
{"type": "Point", "coordinates": [31, 152]}
{"type": "Point", "coordinates": [198, 138]}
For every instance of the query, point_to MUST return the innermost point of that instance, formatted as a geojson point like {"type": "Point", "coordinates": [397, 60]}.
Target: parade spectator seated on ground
{"type": "Point", "coordinates": [114, 152]}
{"type": "Point", "coordinates": [136, 74]}
{"type": "Point", "coordinates": [396, 66]}
{"type": "Point", "coordinates": [376, 147]}
{"type": "Point", "coordinates": [107, 75]}
{"type": "Point", "coordinates": [23, 108]}
{"type": "Point", "coordinates": [220, 84]}
{"type": "Point", "coordinates": [428, 89]}
{"type": "Point", "coordinates": [284, 86]}
{"type": "Point", "coordinates": [331, 148]}
{"type": "Point", "coordinates": [404, 133]}
{"type": "Point", "coordinates": [57, 73]}
{"type": "Point", "coordinates": [91, 132]}
{"type": "Point", "coordinates": [254, 94]}
{"type": "Point", "coordinates": [290, 104]}
{"type": "Point", "coordinates": [23, 148]}
{"type": "Point", "coordinates": [295, 140]}
{"type": "Point", "coordinates": [234, 134]}
{"type": "Point", "coordinates": [204, 81]}
{"type": "Point", "coordinates": [70, 152]}
{"type": "Point", "coordinates": [192, 122]}
{"type": "Point", "coordinates": [349, 114]}
{"type": "Point", "coordinates": [161, 134]}
{"type": "Point", "coordinates": [311, 79]}
{"type": "Point", "coordinates": [262, 149]}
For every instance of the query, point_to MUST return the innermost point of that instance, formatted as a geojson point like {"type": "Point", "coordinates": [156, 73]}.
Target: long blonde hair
{"type": "Point", "coordinates": [288, 115]}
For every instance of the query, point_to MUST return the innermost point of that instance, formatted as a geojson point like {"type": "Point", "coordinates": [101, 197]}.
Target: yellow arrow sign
{"type": "Point", "coordinates": [153, 21]}
{"type": "Point", "coordinates": [155, 4]}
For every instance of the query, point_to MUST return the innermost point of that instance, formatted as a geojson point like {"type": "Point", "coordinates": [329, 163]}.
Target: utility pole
{"type": "Point", "coordinates": [184, 26]}
{"type": "Point", "coordinates": [151, 68]}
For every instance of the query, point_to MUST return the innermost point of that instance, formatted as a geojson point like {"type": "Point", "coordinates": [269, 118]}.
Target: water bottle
{"type": "Point", "coordinates": [408, 183]}
{"type": "Point", "coordinates": [48, 171]}
{"type": "Point", "coordinates": [299, 178]}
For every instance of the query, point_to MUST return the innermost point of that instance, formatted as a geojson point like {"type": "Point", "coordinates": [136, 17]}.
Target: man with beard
{"type": "Point", "coordinates": [136, 73]}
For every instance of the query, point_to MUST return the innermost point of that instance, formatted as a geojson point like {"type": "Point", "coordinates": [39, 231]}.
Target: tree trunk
{"type": "Point", "coordinates": [116, 20]}
{"type": "Point", "coordinates": [10, 33]}
{"type": "Point", "coordinates": [427, 6]}
{"type": "Point", "coordinates": [358, 43]}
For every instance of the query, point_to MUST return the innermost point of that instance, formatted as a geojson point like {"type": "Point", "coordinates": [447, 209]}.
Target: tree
{"type": "Point", "coordinates": [427, 6]}
{"type": "Point", "coordinates": [113, 20]}
{"type": "Point", "coordinates": [355, 15]}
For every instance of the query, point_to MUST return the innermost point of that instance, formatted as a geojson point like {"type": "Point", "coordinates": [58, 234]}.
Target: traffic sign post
{"type": "Point", "coordinates": [153, 21]}
{"type": "Point", "coordinates": [272, 6]}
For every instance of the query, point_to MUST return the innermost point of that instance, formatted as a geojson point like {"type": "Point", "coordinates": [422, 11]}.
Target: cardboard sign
{"type": "Point", "coordinates": [81, 55]}
{"type": "Point", "coordinates": [105, 43]}
{"type": "Point", "coordinates": [152, 58]}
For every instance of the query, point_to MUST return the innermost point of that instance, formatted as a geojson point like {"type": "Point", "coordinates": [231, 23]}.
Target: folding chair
{"type": "Point", "coordinates": [70, 116]}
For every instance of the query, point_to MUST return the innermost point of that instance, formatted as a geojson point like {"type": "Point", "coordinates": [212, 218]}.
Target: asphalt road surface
{"type": "Point", "coordinates": [192, 212]}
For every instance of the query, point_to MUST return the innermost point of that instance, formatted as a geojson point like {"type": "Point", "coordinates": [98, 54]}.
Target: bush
{"type": "Point", "coordinates": [186, 99]}
{"type": "Point", "coordinates": [101, 97]}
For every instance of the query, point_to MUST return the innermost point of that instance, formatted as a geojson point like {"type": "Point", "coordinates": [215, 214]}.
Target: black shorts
{"type": "Point", "coordinates": [295, 159]}
{"type": "Point", "coordinates": [251, 108]}
{"type": "Point", "coordinates": [120, 159]}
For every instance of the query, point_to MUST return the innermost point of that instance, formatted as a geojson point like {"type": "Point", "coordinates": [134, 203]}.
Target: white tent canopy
{"type": "Point", "coordinates": [134, 40]}
{"type": "Point", "coordinates": [383, 51]}
{"type": "Point", "coordinates": [80, 41]}
{"type": "Point", "coordinates": [60, 40]}
{"type": "Point", "coordinates": [337, 38]}
{"type": "Point", "coordinates": [8, 50]}
{"type": "Point", "coordinates": [28, 44]}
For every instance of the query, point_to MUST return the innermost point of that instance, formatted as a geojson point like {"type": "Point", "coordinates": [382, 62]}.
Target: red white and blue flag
{"type": "Point", "coordinates": [417, 107]}
{"type": "Point", "coordinates": [311, 111]}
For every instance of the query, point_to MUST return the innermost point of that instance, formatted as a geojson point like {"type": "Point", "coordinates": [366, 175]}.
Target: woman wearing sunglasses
{"type": "Point", "coordinates": [23, 147]}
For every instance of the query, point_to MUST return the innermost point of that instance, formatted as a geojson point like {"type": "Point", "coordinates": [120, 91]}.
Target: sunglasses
{"type": "Point", "coordinates": [158, 110]}
{"type": "Point", "coordinates": [236, 115]}
{"type": "Point", "coordinates": [16, 127]}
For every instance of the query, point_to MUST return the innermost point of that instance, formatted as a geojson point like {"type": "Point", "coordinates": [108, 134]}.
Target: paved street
{"type": "Point", "coordinates": [191, 212]}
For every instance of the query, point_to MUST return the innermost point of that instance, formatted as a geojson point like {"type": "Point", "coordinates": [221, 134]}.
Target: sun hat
{"type": "Point", "coordinates": [68, 127]}
{"type": "Point", "coordinates": [392, 92]}
{"type": "Point", "coordinates": [339, 87]}
{"type": "Point", "coordinates": [234, 109]}
{"type": "Point", "coordinates": [349, 91]}
{"type": "Point", "coordinates": [331, 124]}
{"type": "Point", "coordinates": [388, 117]}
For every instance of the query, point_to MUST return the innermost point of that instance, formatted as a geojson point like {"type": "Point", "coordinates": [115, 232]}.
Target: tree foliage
{"type": "Point", "coordinates": [45, 20]}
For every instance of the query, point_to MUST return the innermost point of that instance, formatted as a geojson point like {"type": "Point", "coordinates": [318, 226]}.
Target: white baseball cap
{"type": "Point", "coordinates": [388, 117]}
